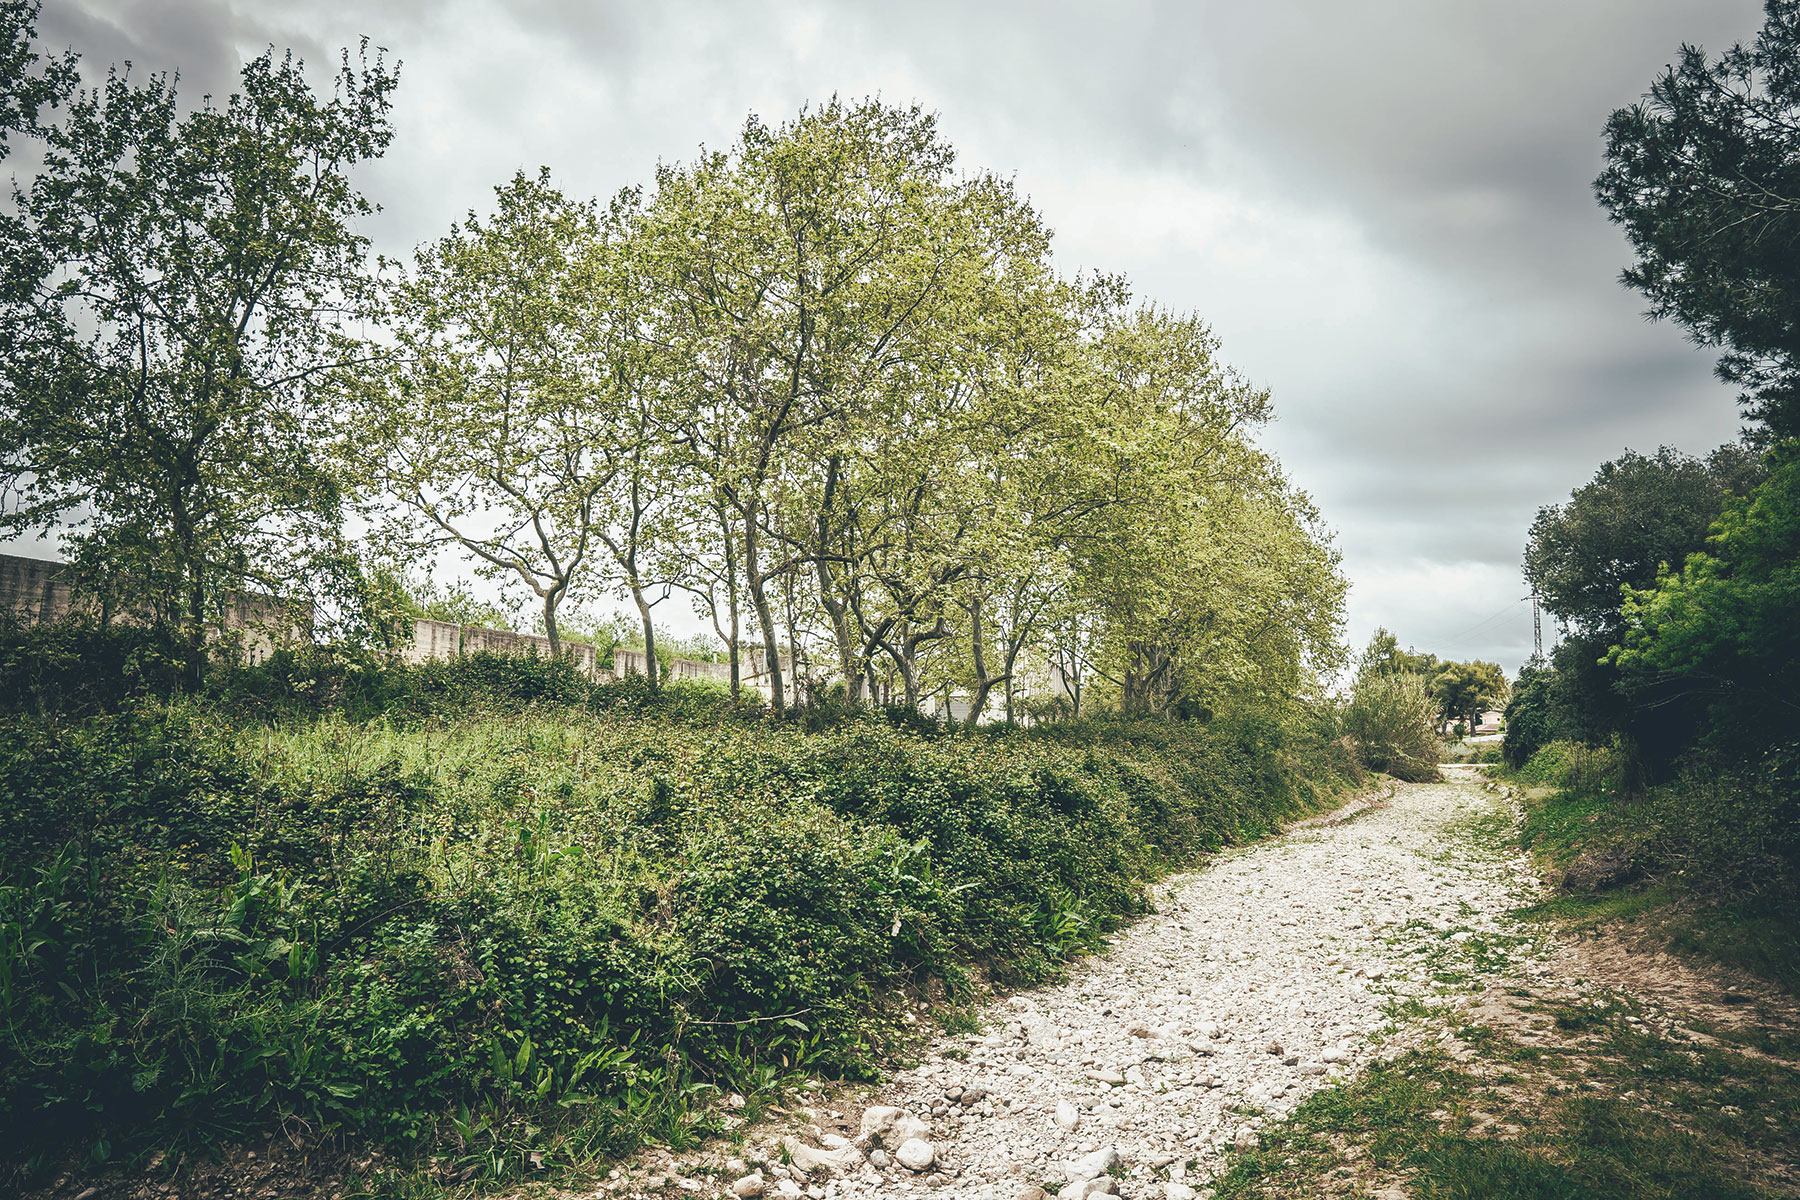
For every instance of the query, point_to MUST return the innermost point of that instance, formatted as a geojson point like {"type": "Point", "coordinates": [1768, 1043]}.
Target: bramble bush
{"type": "Point", "coordinates": [514, 918]}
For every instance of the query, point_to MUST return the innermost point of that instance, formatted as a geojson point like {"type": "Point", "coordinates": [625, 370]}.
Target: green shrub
{"type": "Point", "coordinates": [1576, 767]}
{"type": "Point", "coordinates": [78, 665]}
{"type": "Point", "coordinates": [523, 916]}
{"type": "Point", "coordinates": [1391, 719]}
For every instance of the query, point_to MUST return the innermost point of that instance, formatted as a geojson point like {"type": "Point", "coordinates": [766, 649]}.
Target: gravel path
{"type": "Point", "coordinates": [1260, 978]}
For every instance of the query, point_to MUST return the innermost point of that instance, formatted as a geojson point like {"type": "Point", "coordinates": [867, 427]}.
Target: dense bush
{"type": "Point", "coordinates": [1724, 831]}
{"type": "Point", "coordinates": [1391, 719]}
{"type": "Point", "coordinates": [546, 923]}
{"type": "Point", "coordinates": [1574, 766]}
{"type": "Point", "coordinates": [79, 664]}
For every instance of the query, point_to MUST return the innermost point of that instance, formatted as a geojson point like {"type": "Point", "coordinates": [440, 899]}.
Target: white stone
{"type": "Point", "coordinates": [750, 1185]}
{"type": "Point", "coordinates": [885, 1125]}
{"type": "Point", "coordinates": [1081, 1189]}
{"type": "Point", "coordinates": [916, 1154]}
{"type": "Point", "coordinates": [1094, 1165]}
{"type": "Point", "coordinates": [1068, 1116]}
{"type": "Point", "coordinates": [808, 1159]}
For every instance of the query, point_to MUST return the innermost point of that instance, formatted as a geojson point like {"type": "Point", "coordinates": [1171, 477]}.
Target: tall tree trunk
{"type": "Point", "coordinates": [551, 599]}
{"type": "Point", "coordinates": [793, 643]}
{"type": "Point", "coordinates": [839, 613]}
{"type": "Point", "coordinates": [835, 608]}
{"type": "Point", "coordinates": [978, 650]}
{"type": "Point", "coordinates": [652, 670]}
{"type": "Point", "coordinates": [765, 614]}
{"type": "Point", "coordinates": [909, 672]}
{"type": "Point", "coordinates": [731, 590]}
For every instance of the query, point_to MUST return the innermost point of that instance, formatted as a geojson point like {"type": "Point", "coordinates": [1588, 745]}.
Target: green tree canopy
{"type": "Point", "coordinates": [26, 88]}
{"type": "Point", "coordinates": [1638, 513]}
{"type": "Point", "coordinates": [1464, 690]}
{"type": "Point", "coordinates": [172, 283]}
{"type": "Point", "coordinates": [484, 422]}
{"type": "Point", "coordinates": [1704, 175]}
{"type": "Point", "coordinates": [1383, 656]}
{"type": "Point", "coordinates": [1725, 624]}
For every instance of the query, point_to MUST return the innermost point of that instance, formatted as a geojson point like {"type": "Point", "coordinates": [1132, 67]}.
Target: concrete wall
{"type": "Point", "coordinates": [34, 590]}
{"type": "Point", "coordinates": [753, 667]}
{"type": "Point", "coordinates": [446, 639]}
{"type": "Point", "coordinates": [30, 588]}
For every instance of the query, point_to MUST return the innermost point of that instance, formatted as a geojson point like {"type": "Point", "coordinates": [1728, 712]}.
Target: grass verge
{"type": "Point", "coordinates": [1579, 1102]}
{"type": "Point", "coordinates": [1602, 852]}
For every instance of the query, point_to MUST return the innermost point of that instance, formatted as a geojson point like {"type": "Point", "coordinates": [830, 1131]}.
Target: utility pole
{"type": "Point", "coordinates": [1537, 628]}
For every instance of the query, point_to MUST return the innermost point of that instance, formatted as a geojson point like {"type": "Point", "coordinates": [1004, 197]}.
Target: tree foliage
{"type": "Point", "coordinates": [836, 391]}
{"type": "Point", "coordinates": [824, 381]}
{"type": "Point", "coordinates": [1704, 175]}
{"type": "Point", "coordinates": [481, 427]}
{"type": "Point", "coordinates": [1638, 513]}
{"type": "Point", "coordinates": [1725, 624]}
{"type": "Point", "coordinates": [1391, 715]}
{"type": "Point", "coordinates": [171, 285]}
{"type": "Point", "coordinates": [1464, 690]}
{"type": "Point", "coordinates": [26, 88]}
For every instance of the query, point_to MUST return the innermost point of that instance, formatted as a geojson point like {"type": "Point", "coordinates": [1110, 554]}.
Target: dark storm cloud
{"type": "Point", "coordinates": [201, 40]}
{"type": "Point", "coordinates": [1384, 208]}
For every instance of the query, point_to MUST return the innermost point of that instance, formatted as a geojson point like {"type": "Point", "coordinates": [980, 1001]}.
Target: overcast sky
{"type": "Point", "coordinates": [1383, 208]}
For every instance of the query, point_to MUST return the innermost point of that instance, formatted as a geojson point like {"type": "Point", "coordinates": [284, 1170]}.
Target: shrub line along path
{"type": "Point", "coordinates": [1260, 978]}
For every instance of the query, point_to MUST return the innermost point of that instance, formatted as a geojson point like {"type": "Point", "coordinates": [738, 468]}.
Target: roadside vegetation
{"type": "Point", "coordinates": [499, 921]}
{"type": "Point", "coordinates": [1660, 735]}
{"type": "Point", "coordinates": [1592, 1103]}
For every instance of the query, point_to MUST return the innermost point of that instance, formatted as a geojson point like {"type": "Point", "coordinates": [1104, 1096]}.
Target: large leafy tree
{"type": "Point", "coordinates": [1639, 512]}
{"type": "Point", "coordinates": [1725, 624]}
{"type": "Point", "coordinates": [1208, 573]}
{"type": "Point", "coordinates": [1383, 656]}
{"type": "Point", "coordinates": [802, 277]}
{"type": "Point", "coordinates": [488, 423]}
{"type": "Point", "coordinates": [172, 285]}
{"type": "Point", "coordinates": [1463, 690]}
{"type": "Point", "coordinates": [1704, 175]}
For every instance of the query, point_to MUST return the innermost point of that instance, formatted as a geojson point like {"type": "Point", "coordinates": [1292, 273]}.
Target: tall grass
{"type": "Point", "coordinates": [531, 931]}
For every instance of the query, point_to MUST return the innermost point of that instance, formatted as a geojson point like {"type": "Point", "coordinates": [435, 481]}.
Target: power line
{"type": "Point", "coordinates": [1455, 639]}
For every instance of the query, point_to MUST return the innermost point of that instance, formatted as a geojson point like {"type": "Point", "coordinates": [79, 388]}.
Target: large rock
{"type": "Point", "coordinates": [886, 1126]}
{"type": "Point", "coordinates": [1092, 1166]}
{"type": "Point", "coordinates": [808, 1159]}
{"type": "Point", "coordinates": [750, 1185]}
{"type": "Point", "coordinates": [916, 1154]}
